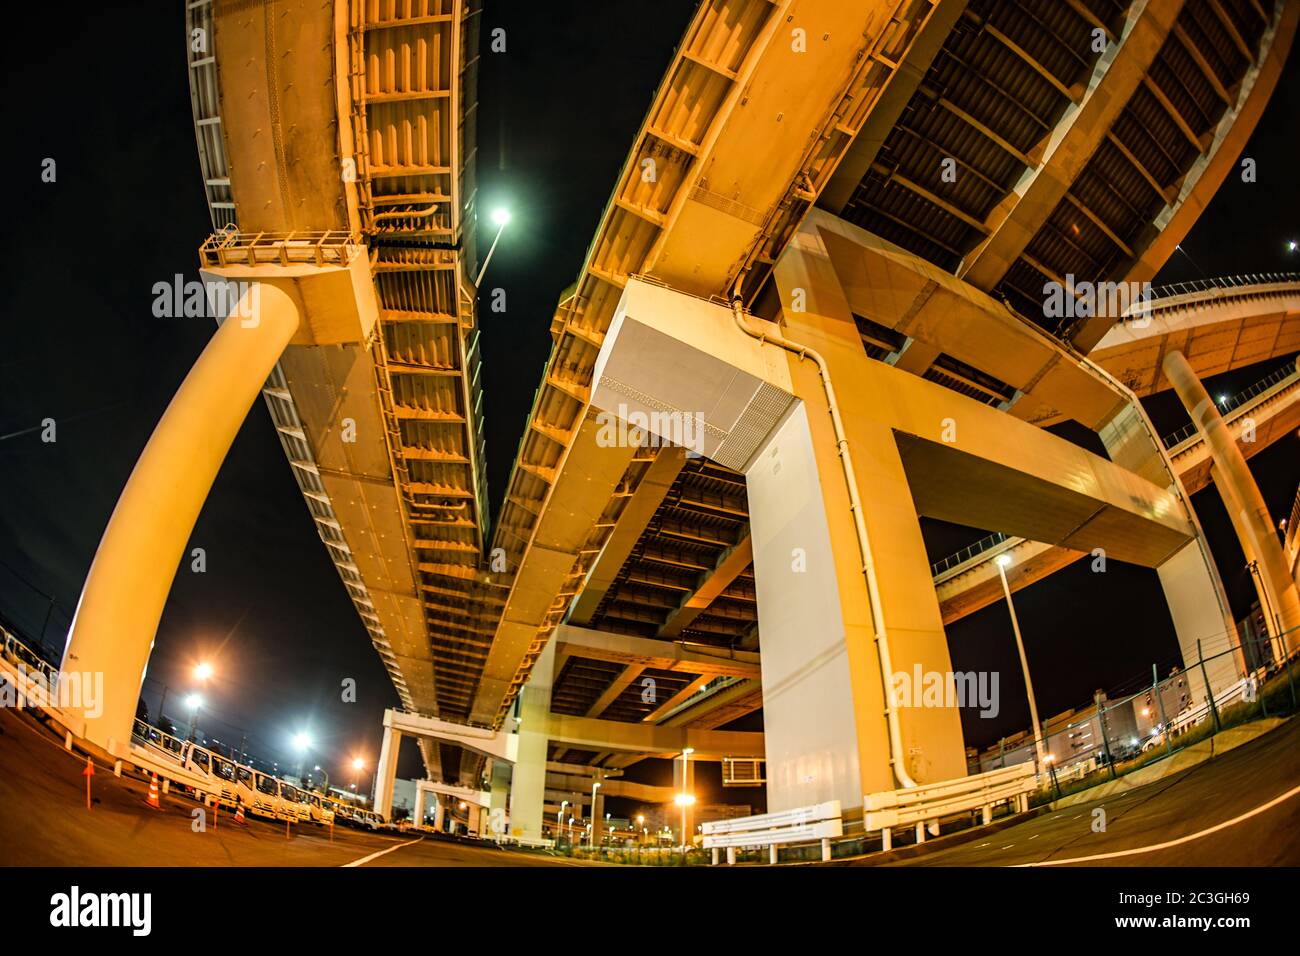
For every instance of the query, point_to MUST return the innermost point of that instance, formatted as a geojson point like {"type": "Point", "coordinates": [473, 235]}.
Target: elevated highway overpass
{"type": "Point", "coordinates": [875, 192]}
{"type": "Point", "coordinates": [968, 580]}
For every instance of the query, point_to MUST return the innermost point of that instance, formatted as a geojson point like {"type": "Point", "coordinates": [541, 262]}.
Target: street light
{"type": "Point", "coordinates": [202, 671]}
{"type": "Point", "coordinates": [1002, 561]}
{"type": "Point", "coordinates": [301, 743]}
{"type": "Point", "coordinates": [559, 818]}
{"type": "Point", "coordinates": [594, 787]}
{"type": "Point", "coordinates": [193, 702]}
{"type": "Point", "coordinates": [500, 216]}
{"type": "Point", "coordinates": [684, 800]}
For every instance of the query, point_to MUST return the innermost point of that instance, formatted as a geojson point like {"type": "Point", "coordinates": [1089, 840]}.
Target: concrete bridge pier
{"type": "Point", "coordinates": [122, 601]}
{"type": "Point", "coordinates": [528, 779]}
{"type": "Point", "coordinates": [1277, 590]}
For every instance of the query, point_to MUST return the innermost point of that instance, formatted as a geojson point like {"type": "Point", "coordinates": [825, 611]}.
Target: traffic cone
{"type": "Point", "coordinates": [239, 815]}
{"type": "Point", "coordinates": [153, 801]}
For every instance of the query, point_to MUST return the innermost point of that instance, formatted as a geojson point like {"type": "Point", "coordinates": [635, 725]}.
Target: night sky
{"type": "Point", "coordinates": [557, 114]}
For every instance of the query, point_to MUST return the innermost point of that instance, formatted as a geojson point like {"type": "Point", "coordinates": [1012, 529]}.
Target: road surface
{"type": "Point", "coordinates": [1239, 809]}
{"type": "Point", "coordinates": [44, 822]}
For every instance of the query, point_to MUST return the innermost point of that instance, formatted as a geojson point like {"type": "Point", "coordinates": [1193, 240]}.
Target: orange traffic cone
{"type": "Point", "coordinates": [153, 801]}
{"type": "Point", "coordinates": [239, 815]}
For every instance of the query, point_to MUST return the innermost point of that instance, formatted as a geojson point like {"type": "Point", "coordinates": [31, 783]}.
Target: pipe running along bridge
{"type": "Point", "coordinates": [829, 252]}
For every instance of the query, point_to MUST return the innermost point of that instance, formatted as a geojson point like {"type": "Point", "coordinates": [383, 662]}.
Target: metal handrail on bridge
{"type": "Point", "coordinates": [1236, 401]}
{"type": "Point", "coordinates": [968, 552]}
{"type": "Point", "coordinates": [231, 247]}
{"type": "Point", "coordinates": [1222, 282]}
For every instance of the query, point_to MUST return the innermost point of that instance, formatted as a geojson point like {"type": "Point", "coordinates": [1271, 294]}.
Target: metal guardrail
{"type": "Point", "coordinates": [231, 247]}
{"type": "Point", "coordinates": [932, 801]}
{"type": "Point", "coordinates": [820, 823]}
{"type": "Point", "coordinates": [16, 652]}
{"type": "Point", "coordinates": [1236, 401]}
{"type": "Point", "coordinates": [1222, 282]}
{"type": "Point", "coordinates": [968, 552]}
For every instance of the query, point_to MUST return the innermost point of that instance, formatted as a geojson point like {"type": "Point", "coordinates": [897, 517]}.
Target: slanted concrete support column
{"type": "Point", "coordinates": [1190, 580]}
{"type": "Point", "coordinates": [501, 774]}
{"type": "Point", "coordinates": [528, 784]}
{"type": "Point", "coordinates": [117, 617]}
{"type": "Point", "coordinates": [440, 814]}
{"type": "Point", "coordinates": [1254, 525]}
{"type": "Point", "coordinates": [386, 771]}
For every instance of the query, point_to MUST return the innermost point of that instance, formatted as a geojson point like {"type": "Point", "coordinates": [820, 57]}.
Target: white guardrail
{"type": "Point", "coordinates": [37, 683]}
{"type": "Point", "coordinates": [932, 801]}
{"type": "Point", "coordinates": [802, 825]}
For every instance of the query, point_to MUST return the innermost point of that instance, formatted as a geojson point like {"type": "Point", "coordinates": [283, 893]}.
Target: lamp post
{"type": "Point", "coordinates": [301, 743]}
{"type": "Point", "coordinates": [559, 818]}
{"type": "Point", "coordinates": [501, 217]}
{"type": "Point", "coordinates": [1002, 561]}
{"type": "Point", "coordinates": [684, 800]}
{"type": "Point", "coordinates": [193, 702]}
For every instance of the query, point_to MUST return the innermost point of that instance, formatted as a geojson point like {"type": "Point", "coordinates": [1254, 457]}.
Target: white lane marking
{"type": "Point", "coordinates": [1035, 836]}
{"type": "Point", "coordinates": [378, 853]}
{"type": "Point", "coordinates": [1263, 807]}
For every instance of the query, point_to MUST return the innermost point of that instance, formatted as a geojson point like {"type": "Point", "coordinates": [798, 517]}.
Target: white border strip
{"type": "Point", "coordinates": [376, 855]}
{"type": "Point", "coordinates": [1168, 843]}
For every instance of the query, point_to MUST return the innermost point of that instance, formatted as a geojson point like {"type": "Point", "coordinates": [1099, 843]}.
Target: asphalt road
{"type": "Point", "coordinates": [1239, 809]}
{"type": "Point", "coordinates": [1194, 810]}
{"type": "Point", "coordinates": [44, 822]}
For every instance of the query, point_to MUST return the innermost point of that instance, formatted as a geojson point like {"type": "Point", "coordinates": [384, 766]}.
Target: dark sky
{"type": "Point", "coordinates": [558, 111]}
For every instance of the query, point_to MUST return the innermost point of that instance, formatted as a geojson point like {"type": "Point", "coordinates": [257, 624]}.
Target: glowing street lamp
{"type": "Point", "coordinates": [202, 671]}
{"type": "Point", "coordinates": [501, 217]}
{"type": "Point", "coordinates": [1002, 561]}
{"type": "Point", "coordinates": [301, 743]}
{"type": "Point", "coordinates": [193, 702]}
{"type": "Point", "coordinates": [684, 800]}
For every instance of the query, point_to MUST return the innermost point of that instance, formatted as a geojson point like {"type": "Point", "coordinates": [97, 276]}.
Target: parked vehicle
{"type": "Point", "coordinates": [259, 792]}
{"type": "Point", "coordinates": [293, 804]}
{"type": "Point", "coordinates": [322, 809]}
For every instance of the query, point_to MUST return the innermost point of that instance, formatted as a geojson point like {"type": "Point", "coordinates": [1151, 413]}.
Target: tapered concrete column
{"type": "Point", "coordinates": [823, 691]}
{"type": "Point", "coordinates": [117, 616]}
{"type": "Point", "coordinates": [1244, 537]}
{"type": "Point", "coordinates": [597, 819]}
{"type": "Point", "coordinates": [417, 816]}
{"type": "Point", "coordinates": [440, 814]}
{"type": "Point", "coordinates": [386, 772]}
{"type": "Point", "coordinates": [501, 774]}
{"type": "Point", "coordinates": [684, 784]}
{"type": "Point", "coordinates": [1198, 604]}
{"type": "Point", "coordinates": [528, 783]}
{"type": "Point", "coordinates": [1278, 594]}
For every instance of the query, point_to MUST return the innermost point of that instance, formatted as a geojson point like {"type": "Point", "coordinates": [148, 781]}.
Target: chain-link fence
{"type": "Point", "coordinates": [1159, 716]}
